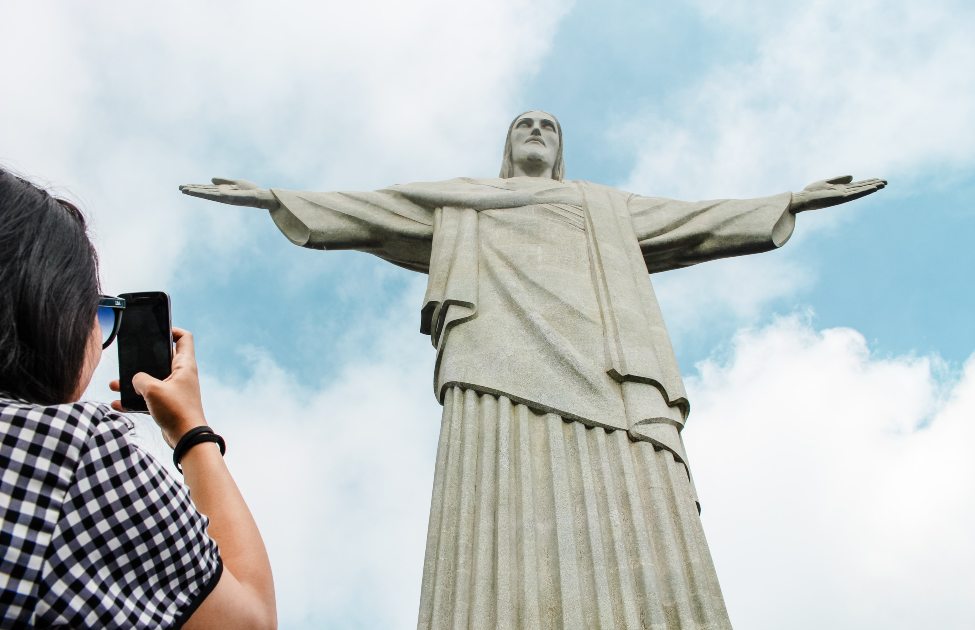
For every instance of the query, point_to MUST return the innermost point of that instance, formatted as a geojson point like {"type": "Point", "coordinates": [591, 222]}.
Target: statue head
{"type": "Point", "coordinates": [534, 146]}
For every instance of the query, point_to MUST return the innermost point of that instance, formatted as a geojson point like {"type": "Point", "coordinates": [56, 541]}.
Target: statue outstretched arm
{"type": "Point", "coordinates": [384, 222]}
{"type": "Point", "coordinates": [832, 192]}
{"type": "Point", "coordinates": [236, 192]}
{"type": "Point", "coordinates": [675, 234]}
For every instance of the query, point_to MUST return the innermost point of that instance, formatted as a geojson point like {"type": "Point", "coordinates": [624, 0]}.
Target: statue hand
{"type": "Point", "coordinates": [236, 192]}
{"type": "Point", "coordinates": [834, 191]}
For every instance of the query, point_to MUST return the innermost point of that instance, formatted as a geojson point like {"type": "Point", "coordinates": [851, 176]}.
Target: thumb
{"type": "Point", "coordinates": [142, 382]}
{"type": "Point", "coordinates": [840, 179]}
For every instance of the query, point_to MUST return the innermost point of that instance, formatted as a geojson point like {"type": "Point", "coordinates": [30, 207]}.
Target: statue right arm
{"type": "Point", "coordinates": [395, 223]}
{"type": "Point", "coordinates": [384, 223]}
{"type": "Point", "coordinates": [235, 192]}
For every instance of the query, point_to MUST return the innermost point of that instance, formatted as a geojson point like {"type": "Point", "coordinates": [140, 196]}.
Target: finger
{"type": "Point", "coordinates": [115, 385]}
{"type": "Point", "coordinates": [230, 196]}
{"type": "Point", "coordinates": [223, 180]}
{"type": "Point", "coordinates": [211, 194]}
{"type": "Point", "coordinates": [862, 193]}
{"type": "Point", "coordinates": [142, 381]}
{"type": "Point", "coordinates": [184, 343]}
{"type": "Point", "coordinates": [117, 405]}
{"type": "Point", "coordinates": [853, 189]}
{"type": "Point", "coordinates": [197, 190]}
{"type": "Point", "coordinates": [840, 179]}
{"type": "Point", "coordinates": [869, 182]}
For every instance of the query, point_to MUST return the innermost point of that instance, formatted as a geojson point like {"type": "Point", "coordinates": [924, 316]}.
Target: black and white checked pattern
{"type": "Point", "coordinates": [94, 533]}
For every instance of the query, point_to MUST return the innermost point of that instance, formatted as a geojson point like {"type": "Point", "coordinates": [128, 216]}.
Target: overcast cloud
{"type": "Point", "coordinates": [836, 485]}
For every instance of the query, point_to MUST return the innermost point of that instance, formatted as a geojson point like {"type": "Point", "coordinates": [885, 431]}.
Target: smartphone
{"type": "Point", "coordinates": [145, 343]}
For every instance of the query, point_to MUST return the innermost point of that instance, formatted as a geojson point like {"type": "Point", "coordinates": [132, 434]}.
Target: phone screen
{"type": "Point", "coordinates": [145, 343]}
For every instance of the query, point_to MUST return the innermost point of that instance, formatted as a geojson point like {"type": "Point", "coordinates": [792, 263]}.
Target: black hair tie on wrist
{"type": "Point", "coordinates": [196, 435]}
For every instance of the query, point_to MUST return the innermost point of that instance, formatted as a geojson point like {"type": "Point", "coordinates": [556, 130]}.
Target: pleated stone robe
{"type": "Point", "coordinates": [562, 494]}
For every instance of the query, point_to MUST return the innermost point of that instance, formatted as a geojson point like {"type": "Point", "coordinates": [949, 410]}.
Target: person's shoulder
{"type": "Point", "coordinates": [45, 446]}
{"type": "Point", "coordinates": [66, 427]}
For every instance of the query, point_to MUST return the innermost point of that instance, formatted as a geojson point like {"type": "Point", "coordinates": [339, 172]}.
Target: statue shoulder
{"type": "Point", "coordinates": [600, 188]}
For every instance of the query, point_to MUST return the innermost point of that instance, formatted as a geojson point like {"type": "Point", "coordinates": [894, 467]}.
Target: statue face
{"type": "Point", "coordinates": [535, 142]}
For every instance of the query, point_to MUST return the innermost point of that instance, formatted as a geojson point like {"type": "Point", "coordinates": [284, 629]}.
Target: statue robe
{"type": "Point", "coordinates": [562, 496]}
{"type": "Point", "coordinates": [538, 290]}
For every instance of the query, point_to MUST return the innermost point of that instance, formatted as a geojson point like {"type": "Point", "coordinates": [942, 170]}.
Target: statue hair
{"type": "Point", "coordinates": [507, 165]}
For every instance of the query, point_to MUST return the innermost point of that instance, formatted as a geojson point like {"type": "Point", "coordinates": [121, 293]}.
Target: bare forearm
{"type": "Point", "coordinates": [243, 597]}
{"type": "Point", "coordinates": [232, 526]}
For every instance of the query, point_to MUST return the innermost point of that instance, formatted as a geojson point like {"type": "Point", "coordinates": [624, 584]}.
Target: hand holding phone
{"type": "Point", "coordinates": [145, 343]}
{"type": "Point", "coordinates": [174, 402]}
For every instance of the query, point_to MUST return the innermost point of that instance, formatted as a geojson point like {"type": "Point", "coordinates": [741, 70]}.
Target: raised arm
{"type": "Point", "coordinates": [244, 595]}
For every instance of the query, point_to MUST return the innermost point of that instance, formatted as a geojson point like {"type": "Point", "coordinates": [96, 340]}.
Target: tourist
{"type": "Point", "coordinates": [94, 532]}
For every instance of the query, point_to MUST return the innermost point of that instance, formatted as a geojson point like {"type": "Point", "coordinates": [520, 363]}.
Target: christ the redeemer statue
{"type": "Point", "coordinates": [562, 495]}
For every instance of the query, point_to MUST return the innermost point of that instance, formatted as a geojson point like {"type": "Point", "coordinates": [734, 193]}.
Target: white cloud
{"type": "Point", "coordinates": [837, 486]}
{"type": "Point", "coordinates": [340, 482]}
{"type": "Point", "coordinates": [736, 290]}
{"type": "Point", "coordinates": [121, 104]}
{"type": "Point", "coordinates": [872, 89]}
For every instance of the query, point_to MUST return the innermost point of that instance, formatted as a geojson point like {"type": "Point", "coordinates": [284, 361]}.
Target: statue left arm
{"type": "Point", "coordinates": [674, 234]}
{"type": "Point", "coordinates": [382, 222]}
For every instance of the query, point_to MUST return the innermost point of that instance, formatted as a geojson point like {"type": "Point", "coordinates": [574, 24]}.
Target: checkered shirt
{"type": "Point", "coordinates": [94, 533]}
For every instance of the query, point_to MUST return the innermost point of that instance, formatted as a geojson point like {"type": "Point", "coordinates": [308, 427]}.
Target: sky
{"type": "Point", "coordinates": [832, 382]}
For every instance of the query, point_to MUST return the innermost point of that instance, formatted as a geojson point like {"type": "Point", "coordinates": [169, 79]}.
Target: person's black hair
{"type": "Point", "coordinates": [48, 293]}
